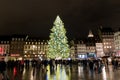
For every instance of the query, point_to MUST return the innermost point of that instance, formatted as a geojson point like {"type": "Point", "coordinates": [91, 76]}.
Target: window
{"type": "Point", "coordinates": [104, 46]}
{"type": "Point", "coordinates": [110, 47]}
{"type": "Point", "coordinates": [116, 47]}
{"type": "Point", "coordinates": [41, 42]}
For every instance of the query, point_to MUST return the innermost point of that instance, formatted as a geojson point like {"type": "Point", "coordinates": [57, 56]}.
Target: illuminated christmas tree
{"type": "Point", "coordinates": [58, 45]}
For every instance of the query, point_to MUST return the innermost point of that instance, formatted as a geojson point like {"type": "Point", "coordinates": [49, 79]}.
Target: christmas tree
{"type": "Point", "coordinates": [58, 45]}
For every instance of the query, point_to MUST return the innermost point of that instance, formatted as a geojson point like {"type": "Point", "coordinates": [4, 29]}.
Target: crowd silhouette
{"type": "Point", "coordinates": [92, 65]}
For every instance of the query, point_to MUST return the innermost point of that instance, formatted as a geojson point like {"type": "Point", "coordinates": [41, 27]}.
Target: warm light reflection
{"type": "Point", "coordinates": [111, 72]}
{"type": "Point", "coordinates": [104, 74]}
{"type": "Point", "coordinates": [31, 75]}
{"type": "Point", "coordinates": [80, 71]}
{"type": "Point", "coordinates": [59, 74]}
{"type": "Point", "coordinates": [24, 72]}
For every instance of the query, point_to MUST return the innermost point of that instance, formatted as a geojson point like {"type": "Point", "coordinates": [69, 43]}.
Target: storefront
{"type": "Point", "coordinates": [82, 56]}
{"type": "Point", "coordinates": [15, 57]}
{"type": "Point", "coordinates": [91, 55]}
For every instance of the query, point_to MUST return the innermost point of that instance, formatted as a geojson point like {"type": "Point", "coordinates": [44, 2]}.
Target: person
{"type": "Point", "coordinates": [3, 70]}
{"type": "Point", "coordinates": [100, 66]}
{"type": "Point", "coordinates": [91, 66]}
{"type": "Point", "coordinates": [115, 64]}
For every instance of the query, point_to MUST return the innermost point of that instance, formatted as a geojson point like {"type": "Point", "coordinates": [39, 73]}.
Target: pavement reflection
{"type": "Point", "coordinates": [63, 72]}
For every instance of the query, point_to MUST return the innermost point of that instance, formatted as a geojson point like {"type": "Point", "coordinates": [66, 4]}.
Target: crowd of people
{"type": "Point", "coordinates": [94, 65]}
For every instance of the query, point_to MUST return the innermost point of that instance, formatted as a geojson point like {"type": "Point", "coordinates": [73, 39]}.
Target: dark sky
{"type": "Point", "coordinates": [36, 17]}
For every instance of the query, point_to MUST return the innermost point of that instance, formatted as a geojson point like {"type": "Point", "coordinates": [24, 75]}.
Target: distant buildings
{"type": "Point", "coordinates": [107, 37]}
{"type": "Point", "coordinates": [17, 46]}
{"type": "Point", "coordinates": [98, 45]}
{"type": "Point", "coordinates": [22, 46]}
{"type": "Point", "coordinates": [117, 43]}
{"type": "Point", "coordinates": [90, 45]}
{"type": "Point", "coordinates": [106, 42]}
{"type": "Point", "coordinates": [4, 46]}
{"type": "Point", "coordinates": [35, 48]}
{"type": "Point", "coordinates": [81, 49]}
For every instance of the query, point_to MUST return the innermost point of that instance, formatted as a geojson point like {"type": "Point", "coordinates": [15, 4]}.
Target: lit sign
{"type": "Point", "coordinates": [15, 55]}
{"type": "Point", "coordinates": [1, 51]}
{"type": "Point", "coordinates": [99, 50]}
{"type": "Point", "coordinates": [99, 47]}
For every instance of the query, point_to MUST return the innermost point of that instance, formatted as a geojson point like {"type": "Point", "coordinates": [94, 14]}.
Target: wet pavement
{"type": "Point", "coordinates": [63, 72]}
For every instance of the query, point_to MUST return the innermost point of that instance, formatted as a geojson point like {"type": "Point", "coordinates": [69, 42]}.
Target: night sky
{"type": "Point", "coordinates": [36, 17]}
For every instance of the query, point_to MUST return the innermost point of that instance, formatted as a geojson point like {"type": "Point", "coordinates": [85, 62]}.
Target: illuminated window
{"type": "Point", "coordinates": [107, 46]}
{"type": "Point", "coordinates": [104, 46]}
{"type": "Point", "coordinates": [25, 56]}
{"type": "Point", "coordinates": [110, 47]}
{"type": "Point", "coordinates": [41, 42]}
{"type": "Point", "coordinates": [25, 51]}
{"type": "Point", "coordinates": [116, 47]}
{"type": "Point", "coordinates": [33, 52]}
{"type": "Point", "coordinates": [28, 55]}
{"type": "Point", "coordinates": [38, 47]}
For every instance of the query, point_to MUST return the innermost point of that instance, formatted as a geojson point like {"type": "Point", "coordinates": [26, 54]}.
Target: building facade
{"type": "Point", "coordinates": [4, 48]}
{"type": "Point", "coordinates": [90, 46]}
{"type": "Point", "coordinates": [24, 47]}
{"type": "Point", "coordinates": [107, 36]}
{"type": "Point", "coordinates": [34, 48]}
{"type": "Point", "coordinates": [17, 46]}
{"type": "Point", "coordinates": [117, 43]}
{"type": "Point", "coordinates": [81, 50]}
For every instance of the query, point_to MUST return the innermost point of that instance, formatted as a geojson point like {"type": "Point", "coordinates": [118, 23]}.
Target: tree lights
{"type": "Point", "coordinates": [58, 45]}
